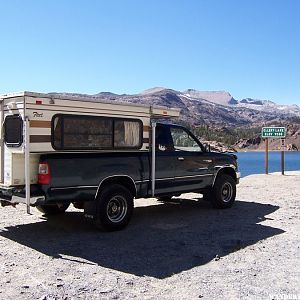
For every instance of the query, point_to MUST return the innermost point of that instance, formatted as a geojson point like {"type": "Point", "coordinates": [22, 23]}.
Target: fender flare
{"type": "Point", "coordinates": [112, 177]}
{"type": "Point", "coordinates": [221, 168]}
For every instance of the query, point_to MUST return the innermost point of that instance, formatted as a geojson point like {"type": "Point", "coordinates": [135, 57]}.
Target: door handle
{"type": "Point", "coordinates": [207, 160]}
{"type": "Point", "coordinates": [180, 158]}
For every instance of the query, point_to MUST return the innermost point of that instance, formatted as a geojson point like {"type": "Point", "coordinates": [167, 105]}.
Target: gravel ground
{"type": "Point", "coordinates": [180, 250]}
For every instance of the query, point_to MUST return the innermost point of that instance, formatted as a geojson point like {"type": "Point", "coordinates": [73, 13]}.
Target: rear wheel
{"type": "Point", "coordinates": [53, 209]}
{"type": "Point", "coordinates": [114, 208]}
{"type": "Point", "coordinates": [223, 193]}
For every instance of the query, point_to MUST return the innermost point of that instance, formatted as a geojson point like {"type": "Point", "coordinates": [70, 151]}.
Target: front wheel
{"type": "Point", "coordinates": [114, 208]}
{"type": "Point", "coordinates": [53, 209]}
{"type": "Point", "coordinates": [224, 192]}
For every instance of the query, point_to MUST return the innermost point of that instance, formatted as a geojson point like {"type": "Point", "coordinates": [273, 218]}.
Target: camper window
{"type": "Point", "coordinates": [13, 131]}
{"type": "Point", "coordinates": [73, 132]}
{"type": "Point", "coordinates": [127, 134]}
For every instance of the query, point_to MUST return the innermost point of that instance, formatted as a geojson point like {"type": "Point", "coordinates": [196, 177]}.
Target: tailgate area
{"type": "Point", "coordinates": [16, 195]}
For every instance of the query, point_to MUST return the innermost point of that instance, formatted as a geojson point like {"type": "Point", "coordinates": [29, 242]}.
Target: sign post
{"type": "Point", "coordinates": [282, 155]}
{"type": "Point", "coordinates": [274, 133]}
{"type": "Point", "coordinates": [267, 157]}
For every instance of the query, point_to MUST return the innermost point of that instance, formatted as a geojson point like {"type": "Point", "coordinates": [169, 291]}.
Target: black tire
{"type": "Point", "coordinates": [224, 192]}
{"type": "Point", "coordinates": [165, 199]}
{"type": "Point", "coordinates": [114, 208]}
{"type": "Point", "coordinates": [53, 209]}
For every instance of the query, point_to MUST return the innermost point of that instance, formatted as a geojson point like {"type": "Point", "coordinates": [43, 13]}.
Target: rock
{"type": "Point", "coordinates": [217, 257]}
{"type": "Point", "coordinates": [106, 291]}
{"type": "Point", "coordinates": [291, 147]}
{"type": "Point", "coordinates": [219, 147]}
{"type": "Point", "coordinates": [246, 143]}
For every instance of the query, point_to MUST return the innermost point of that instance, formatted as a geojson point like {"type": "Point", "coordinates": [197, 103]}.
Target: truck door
{"type": "Point", "coordinates": [193, 166]}
{"type": "Point", "coordinates": [165, 161]}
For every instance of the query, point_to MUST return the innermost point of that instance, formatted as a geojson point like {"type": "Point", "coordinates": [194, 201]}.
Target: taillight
{"type": "Point", "coordinates": [44, 176]}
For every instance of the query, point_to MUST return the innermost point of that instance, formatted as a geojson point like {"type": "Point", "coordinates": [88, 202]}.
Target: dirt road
{"type": "Point", "coordinates": [180, 250]}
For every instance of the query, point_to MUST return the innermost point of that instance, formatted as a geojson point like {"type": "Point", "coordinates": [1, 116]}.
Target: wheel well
{"type": "Point", "coordinates": [228, 171]}
{"type": "Point", "coordinates": [125, 181]}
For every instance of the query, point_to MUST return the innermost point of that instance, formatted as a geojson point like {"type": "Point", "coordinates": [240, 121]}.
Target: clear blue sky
{"type": "Point", "coordinates": [249, 48]}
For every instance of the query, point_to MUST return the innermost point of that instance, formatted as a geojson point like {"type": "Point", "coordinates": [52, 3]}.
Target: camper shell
{"type": "Point", "coordinates": [28, 131]}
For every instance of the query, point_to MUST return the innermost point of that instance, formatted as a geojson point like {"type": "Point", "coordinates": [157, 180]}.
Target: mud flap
{"type": "Point", "coordinates": [90, 209]}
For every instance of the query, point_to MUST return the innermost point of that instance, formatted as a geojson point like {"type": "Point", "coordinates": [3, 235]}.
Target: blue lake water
{"type": "Point", "coordinates": [254, 162]}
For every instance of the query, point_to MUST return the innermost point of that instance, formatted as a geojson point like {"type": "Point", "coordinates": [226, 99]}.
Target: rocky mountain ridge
{"type": "Point", "coordinates": [292, 141]}
{"type": "Point", "coordinates": [213, 107]}
{"type": "Point", "coordinates": [216, 109]}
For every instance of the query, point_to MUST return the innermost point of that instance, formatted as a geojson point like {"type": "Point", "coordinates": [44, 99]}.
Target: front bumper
{"type": "Point", "coordinates": [16, 195]}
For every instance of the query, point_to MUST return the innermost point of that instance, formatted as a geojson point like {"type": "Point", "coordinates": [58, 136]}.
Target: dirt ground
{"type": "Point", "coordinates": [180, 250]}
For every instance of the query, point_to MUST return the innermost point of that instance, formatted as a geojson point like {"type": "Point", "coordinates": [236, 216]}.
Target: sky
{"type": "Point", "coordinates": [248, 48]}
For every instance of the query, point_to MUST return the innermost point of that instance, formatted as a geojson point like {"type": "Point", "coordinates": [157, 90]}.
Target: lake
{"type": "Point", "coordinates": [254, 162]}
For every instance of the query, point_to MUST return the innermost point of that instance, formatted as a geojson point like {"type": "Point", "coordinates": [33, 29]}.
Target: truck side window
{"type": "Point", "coordinates": [163, 139]}
{"type": "Point", "coordinates": [183, 141]}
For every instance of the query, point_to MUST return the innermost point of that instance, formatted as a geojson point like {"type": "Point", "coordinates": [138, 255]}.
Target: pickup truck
{"type": "Point", "coordinates": [105, 184]}
{"type": "Point", "coordinates": [102, 156]}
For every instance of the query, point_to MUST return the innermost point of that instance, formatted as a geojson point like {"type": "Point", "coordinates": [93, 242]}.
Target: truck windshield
{"type": "Point", "coordinates": [13, 131]}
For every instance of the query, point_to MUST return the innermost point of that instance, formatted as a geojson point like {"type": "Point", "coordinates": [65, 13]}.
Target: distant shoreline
{"type": "Point", "coordinates": [242, 151]}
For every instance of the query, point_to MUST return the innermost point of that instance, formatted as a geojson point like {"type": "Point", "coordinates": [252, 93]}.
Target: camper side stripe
{"type": "Point", "coordinates": [40, 124]}
{"type": "Point", "coordinates": [40, 139]}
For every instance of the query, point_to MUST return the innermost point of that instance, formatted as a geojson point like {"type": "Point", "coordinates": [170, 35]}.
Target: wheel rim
{"type": "Point", "coordinates": [116, 209]}
{"type": "Point", "coordinates": [226, 192]}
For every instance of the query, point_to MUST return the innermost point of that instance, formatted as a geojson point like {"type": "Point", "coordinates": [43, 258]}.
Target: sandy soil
{"type": "Point", "coordinates": [180, 250]}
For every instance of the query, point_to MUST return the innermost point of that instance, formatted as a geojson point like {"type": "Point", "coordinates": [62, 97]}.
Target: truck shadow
{"type": "Point", "coordinates": [160, 241]}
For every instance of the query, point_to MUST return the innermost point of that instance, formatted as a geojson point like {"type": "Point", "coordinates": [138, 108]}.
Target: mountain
{"type": "Point", "coordinates": [218, 97]}
{"type": "Point", "coordinates": [270, 106]}
{"type": "Point", "coordinates": [154, 90]}
{"type": "Point", "coordinates": [216, 109]}
{"type": "Point", "coordinates": [252, 101]}
{"type": "Point", "coordinates": [292, 141]}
